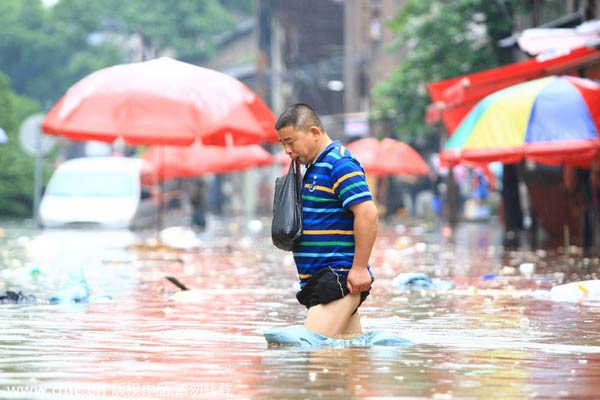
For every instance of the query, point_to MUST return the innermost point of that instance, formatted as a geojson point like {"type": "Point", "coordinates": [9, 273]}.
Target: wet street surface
{"type": "Point", "coordinates": [485, 329]}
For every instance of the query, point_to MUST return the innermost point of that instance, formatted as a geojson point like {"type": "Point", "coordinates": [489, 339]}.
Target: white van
{"type": "Point", "coordinates": [99, 191]}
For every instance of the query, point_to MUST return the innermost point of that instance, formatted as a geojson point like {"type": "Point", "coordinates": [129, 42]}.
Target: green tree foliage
{"type": "Point", "coordinates": [44, 56]}
{"type": "Point", "coordinates": [444, 39]}
{"type": "Point", "coordinates": [243, 7]}
{"type": "Point", "coordinates": [16, 167]}
{"type": "Point", "coordinates": [45, 50]}
{"type": "Point", "coordinates": [184, 28]}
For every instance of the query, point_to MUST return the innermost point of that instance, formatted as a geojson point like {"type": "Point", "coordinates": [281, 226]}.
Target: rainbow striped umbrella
{"type": "Point", "coordinates": [553, 120]}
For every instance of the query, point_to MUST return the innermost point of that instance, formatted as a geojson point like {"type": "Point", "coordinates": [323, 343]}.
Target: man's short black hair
{"type": "Point", "coordinates": [300, 116]}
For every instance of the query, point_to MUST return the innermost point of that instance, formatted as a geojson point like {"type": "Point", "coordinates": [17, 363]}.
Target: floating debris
{"type": "Point", "coordinates": [577, 292]}
{"type": "Point", "coordinates": [416, 281]}
{"type": "Point", "coordinates": [75, 291]}
{"type": "Point", "coordinates": [10, 297]}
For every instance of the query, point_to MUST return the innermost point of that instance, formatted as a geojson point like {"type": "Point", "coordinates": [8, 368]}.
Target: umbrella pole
{"type": "Point", "coordinates": [594, 200]}
{"type": "Point", "coordinates": [161, 195]}
{"type": "Point", "coordinates": [566, 230]}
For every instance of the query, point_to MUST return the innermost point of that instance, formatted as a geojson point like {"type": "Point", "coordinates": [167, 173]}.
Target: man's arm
{"type": "Point", "coordinates": [365, 231]}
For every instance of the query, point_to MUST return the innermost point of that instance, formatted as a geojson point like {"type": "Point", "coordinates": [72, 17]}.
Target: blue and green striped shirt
{"type": "Point", "coordinates": [333, 183]}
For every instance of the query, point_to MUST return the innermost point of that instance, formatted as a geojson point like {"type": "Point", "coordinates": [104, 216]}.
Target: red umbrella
{"type": "Point", "coordinates": [161, 101]}
{"type": "Point", "coordinates": [198, 159]}
{"type": "Point", "coordinates": [388, 157]}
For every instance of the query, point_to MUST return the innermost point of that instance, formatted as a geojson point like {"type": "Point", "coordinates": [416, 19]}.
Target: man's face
{"type": "Point", "coordinates": [299, 144]}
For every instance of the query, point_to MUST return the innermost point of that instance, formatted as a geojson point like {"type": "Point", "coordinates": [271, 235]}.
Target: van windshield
{"type": "Point", "coordinates": [92, 184]}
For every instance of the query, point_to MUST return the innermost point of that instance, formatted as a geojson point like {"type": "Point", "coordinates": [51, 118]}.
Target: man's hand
{"type": "Point", "coordinates": [359, 280]}
{"type": "Point", "coordinates": [365, 232]}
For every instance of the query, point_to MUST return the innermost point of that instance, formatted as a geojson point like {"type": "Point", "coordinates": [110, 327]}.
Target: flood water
{"type": "Point", "coordinates": [140, 337]}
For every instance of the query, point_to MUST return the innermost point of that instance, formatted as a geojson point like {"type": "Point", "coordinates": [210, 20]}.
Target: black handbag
{"type": "Point", "coordinates": [286, 227]}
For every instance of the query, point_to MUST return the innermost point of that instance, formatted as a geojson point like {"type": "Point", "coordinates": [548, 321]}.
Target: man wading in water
{"type": "Point", "coordinates": [339, 225]}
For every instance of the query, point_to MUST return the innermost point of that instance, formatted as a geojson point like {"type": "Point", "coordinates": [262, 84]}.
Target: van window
{"type": "Point", "coordinates": [92, 184]}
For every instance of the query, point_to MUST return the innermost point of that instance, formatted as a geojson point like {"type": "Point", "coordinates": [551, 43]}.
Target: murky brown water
{"type": "Point", "coordinates": [482, 339]}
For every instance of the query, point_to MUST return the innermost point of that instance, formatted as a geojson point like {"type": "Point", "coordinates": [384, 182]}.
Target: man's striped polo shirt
{"type": "Point", "coordinates": [333, 183]}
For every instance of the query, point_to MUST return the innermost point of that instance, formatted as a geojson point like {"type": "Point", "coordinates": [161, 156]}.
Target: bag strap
{"type": "Point", "coordinates": [297, 179]}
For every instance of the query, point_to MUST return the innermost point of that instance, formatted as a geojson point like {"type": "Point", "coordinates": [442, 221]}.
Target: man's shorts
{"type": "Point", "coordinates": [324, 287]}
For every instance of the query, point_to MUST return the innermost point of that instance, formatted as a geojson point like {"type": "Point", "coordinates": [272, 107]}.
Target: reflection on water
{"type": "Point", "coordinates": [475, 341]}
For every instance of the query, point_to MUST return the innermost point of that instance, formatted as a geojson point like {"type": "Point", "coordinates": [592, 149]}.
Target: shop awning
{"type": "Point", "coordinates": [453, 98]}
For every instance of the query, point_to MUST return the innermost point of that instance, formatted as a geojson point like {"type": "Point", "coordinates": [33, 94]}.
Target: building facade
{"type": "Point", "coordinates": [327, 53]}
